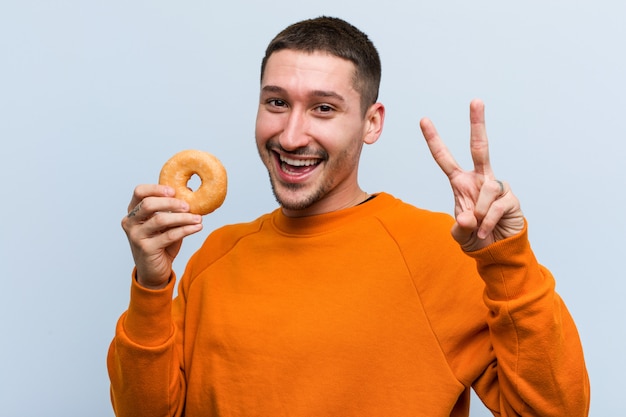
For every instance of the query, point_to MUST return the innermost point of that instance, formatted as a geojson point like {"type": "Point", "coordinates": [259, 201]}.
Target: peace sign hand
{"type": "Point", "coordinates": [485, 208]}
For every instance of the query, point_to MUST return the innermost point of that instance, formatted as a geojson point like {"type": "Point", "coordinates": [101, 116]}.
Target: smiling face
{"type": "Point", "coordinates": [310, 130]}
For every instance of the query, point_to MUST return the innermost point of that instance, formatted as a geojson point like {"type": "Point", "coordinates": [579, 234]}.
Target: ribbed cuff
{"type": "Point", "coordinates": [148, 321]}
{"type": "Point", "coordinates": [509, 268]}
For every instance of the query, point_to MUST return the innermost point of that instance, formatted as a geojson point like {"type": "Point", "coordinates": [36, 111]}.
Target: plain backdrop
{"type": "Point", "coordinates": [96, 95]}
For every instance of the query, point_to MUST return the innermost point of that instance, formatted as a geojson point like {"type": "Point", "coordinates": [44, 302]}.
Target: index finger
{"type": "Point", "coordinates": [149, 190]}
{"type": "Point", "coordinates": [438, 149]}
{"type": "Point", "coordinates": [479, 145]}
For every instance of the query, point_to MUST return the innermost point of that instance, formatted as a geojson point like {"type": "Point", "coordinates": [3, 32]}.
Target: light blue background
{"type": "Point", "coordinates": [96, 95]}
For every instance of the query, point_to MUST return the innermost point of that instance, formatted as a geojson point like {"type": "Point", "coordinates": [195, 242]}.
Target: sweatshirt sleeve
{"type": "Point", "coordinates": [144, 360]}
{"type": "Point", "coordinates": [539, 368]}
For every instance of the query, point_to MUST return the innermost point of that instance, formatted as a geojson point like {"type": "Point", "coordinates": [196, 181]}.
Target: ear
{"type": "Point", "coordinates": [374, 121]}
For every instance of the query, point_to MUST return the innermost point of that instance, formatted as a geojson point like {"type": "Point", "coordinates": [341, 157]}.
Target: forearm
{"type": "Point", "coordinates": [143, 360]}
{"type": "Point", "coordinates": [540, 366]}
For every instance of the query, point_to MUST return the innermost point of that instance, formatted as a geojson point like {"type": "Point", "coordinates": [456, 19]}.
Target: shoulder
{"type": "Point", "coordinates": [418, 233]}
{"type": "Point", "coordinates": [222, 240]}
{"type": "Point", "coordinates": [401, 217]}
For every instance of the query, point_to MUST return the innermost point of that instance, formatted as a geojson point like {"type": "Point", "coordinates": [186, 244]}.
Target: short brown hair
{"type": "Point", "coordinates": [336, 37]}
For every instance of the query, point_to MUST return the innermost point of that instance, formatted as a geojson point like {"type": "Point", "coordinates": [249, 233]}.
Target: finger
{"type": "Point", "coordinates": [438, 149]}
{"type": "Point", "coordinates": [154, 255]}
{"type": "Point", "coordinates": [162, 230]}
{"type": "Point", "coordinates": [135, 210]}
{"type": "Point", "coordinates": [464, 230]}
{"type": "Point", "coordinates": [490, 191]}
{"type": "Point", "coordinates": [495, 202]}
{"type": "Point", "coordinates": [479, 145]}
{"type": "Point", "coordinates": [167, 228]}
{"type": "Point", "coordinates": [179, 233]}
{"type": "Point", "coordinates": [147, 207]}
{"type": "Point", "coordinates": [149, 190]}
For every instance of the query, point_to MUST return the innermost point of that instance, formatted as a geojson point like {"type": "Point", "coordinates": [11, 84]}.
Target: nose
{"type": "Point", "coordinates": [295, 132]}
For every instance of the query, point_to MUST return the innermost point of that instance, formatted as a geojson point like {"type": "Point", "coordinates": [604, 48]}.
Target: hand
{"type": "Point", "coordinates": [155, 226]}
{"type": "Point", "coordinates": [485, 209]}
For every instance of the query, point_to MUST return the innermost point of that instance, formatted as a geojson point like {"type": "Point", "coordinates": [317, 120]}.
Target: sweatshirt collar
{"type": "Point", "coordinates": [323, 223]}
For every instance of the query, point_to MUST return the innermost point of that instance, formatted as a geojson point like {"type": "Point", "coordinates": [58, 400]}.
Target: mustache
{"type": "Point", "coordinates": [303, 151]}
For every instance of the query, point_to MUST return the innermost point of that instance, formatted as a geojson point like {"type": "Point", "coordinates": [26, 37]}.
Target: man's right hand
{"type": "Point", "coordinates": [155, 226]}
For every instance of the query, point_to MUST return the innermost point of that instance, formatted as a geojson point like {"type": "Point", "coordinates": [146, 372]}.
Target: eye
{"type": "Point", "coordinates": [324, 109]}
{"type": "Point", "coordinates": [276, 102]}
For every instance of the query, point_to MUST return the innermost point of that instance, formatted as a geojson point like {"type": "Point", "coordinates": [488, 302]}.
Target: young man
{"type": "Point", "coordinates": [342, 303]}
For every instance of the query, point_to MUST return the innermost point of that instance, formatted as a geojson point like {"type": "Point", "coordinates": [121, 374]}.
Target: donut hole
{"type": "Point", "coordinates": [194, 183]}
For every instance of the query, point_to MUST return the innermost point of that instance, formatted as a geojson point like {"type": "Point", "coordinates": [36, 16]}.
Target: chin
{"type": "Point", "coordinates": [295, 197]}
{"type": "Point", "coordinates": [294, 202]}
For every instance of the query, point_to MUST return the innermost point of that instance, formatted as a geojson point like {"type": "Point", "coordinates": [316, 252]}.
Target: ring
{"type": "Point", "coordinates": [501, 186]}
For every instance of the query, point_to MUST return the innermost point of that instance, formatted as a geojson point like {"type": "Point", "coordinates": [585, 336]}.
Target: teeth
{"type": "Point", "coordinates": [298, 162]}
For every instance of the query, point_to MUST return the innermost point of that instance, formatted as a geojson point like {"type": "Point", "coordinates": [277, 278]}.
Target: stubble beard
{"type": "Point", "coordinates": [296, 202]}
{"type": "Point", "coordinates": [294, 196]}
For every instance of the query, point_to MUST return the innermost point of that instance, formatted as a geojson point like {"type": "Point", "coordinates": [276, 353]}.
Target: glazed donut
{"type": "Point", "coordinates": [182, 166]}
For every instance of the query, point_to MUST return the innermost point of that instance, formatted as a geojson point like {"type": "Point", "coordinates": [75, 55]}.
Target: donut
{"type": "Point", "coordinates": [177, 171]}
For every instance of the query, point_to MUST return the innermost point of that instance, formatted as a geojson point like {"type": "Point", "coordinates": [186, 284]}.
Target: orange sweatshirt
{"type": "Point", "coordinates": [369, 311]}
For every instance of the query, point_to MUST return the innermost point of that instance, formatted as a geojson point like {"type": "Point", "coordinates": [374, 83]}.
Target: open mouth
{"type": "Point", "coordinates": [295, 166]}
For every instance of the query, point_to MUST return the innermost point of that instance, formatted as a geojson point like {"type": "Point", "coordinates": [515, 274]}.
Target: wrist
{"type": "Point", "coordinates": [151, 284]}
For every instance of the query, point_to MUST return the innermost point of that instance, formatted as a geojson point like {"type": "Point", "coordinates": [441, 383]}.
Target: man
{"type": "Point", "coordinates": [340, 302]}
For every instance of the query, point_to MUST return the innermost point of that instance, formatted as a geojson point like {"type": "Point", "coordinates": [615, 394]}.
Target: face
{"type": "Point", "coordinates": [310, 130]}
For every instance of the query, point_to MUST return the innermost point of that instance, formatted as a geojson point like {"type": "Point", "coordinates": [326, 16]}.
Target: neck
{"type": "Point", "coordinates": [321, 208]}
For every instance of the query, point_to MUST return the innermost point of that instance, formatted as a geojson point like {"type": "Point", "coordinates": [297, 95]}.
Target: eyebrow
{"type": "Point", "coordinates": [314, 93]}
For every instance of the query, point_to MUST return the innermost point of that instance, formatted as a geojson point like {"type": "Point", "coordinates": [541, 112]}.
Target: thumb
{"type": "Point", "coordinates": [464, 230]}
